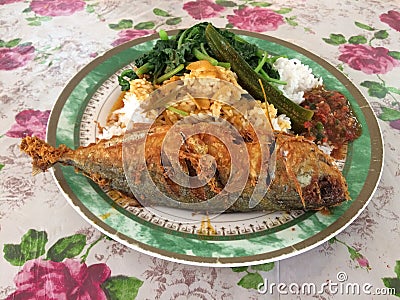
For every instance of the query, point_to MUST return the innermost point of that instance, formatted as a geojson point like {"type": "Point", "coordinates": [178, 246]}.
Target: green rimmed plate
{"type": "Point", "coordinates": [229, 239]}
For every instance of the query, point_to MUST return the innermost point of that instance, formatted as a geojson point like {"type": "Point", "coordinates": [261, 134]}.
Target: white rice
{"type": "Point", "coordinates": [298, 76]}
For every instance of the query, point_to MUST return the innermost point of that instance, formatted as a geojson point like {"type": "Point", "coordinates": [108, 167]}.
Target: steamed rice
{"type": "Point", "coordinates": [299, 78]}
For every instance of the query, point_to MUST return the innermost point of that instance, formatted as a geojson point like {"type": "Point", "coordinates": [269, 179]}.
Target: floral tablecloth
{"type": "Point", "coordinates": [50, 252]}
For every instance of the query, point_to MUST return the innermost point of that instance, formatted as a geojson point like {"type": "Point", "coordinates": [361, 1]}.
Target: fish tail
{"type": "Point", "coordinates": [44, 156]}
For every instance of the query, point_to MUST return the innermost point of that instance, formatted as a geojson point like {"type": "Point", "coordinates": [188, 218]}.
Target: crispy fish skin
{"type": "Point", "coordinates": [305, 177]}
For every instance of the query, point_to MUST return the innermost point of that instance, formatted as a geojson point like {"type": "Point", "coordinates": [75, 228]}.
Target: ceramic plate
{"type": "Point", "coordinates": [228, 239]}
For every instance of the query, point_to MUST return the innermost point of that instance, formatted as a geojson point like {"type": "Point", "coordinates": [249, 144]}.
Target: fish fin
{"type": "Point", "coordinates": [44, 156]}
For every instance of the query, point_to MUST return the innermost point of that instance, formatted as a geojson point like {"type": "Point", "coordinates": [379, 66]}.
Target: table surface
{"type": "Point", "coordinates": [45, 43]}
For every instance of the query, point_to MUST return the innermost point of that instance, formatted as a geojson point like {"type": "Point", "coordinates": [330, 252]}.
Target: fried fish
{"type": "Point", "coordinates": [304, 177]}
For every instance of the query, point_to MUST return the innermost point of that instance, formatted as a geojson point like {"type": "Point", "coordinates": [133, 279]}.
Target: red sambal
{"type": "Point", "coordinates": [333, 120]}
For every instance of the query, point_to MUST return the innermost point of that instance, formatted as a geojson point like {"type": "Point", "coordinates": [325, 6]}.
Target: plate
{"type": "Point", "coordinates": [229, 239]}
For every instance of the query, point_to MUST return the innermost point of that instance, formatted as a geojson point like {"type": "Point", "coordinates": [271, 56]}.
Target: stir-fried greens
{"type": "Point", "coordinates": [170, 55]}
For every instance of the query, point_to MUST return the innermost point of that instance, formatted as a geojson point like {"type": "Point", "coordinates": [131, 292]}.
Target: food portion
{"type": "Point", "coordinates": [309, 126]}
{"type": "Point", "coordinates": [141, 90]}
{"type": "Point", "coordinates": [334, 122]}
{"type": "Point", "coordinates": [304, 176]}
{"type": "Point", "coordinates": [274, 79]}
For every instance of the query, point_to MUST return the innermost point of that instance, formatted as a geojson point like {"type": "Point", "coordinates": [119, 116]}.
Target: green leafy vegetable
{"type": "Point", "coordinates": [169, 54]}
{"type": "Point", "coordinates": [124, 78]}
{"type": "Point", "coordinates": [170, 73]}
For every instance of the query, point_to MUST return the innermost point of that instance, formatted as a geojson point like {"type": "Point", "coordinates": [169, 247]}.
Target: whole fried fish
{"type": "Point", "coordinates": [304, 177]}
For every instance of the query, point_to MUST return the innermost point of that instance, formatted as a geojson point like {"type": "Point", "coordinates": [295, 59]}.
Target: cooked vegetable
{"type": "Point", "coordinates": [170, 54]}
{"type": "Point", "coordinates": [170, 74]}
{"type": "Point", "coordinates": [250, 80]}
{"type": "Point", "coordinates": [191, 45]}
{"type": "Point", "coordinates": [125, 77]}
